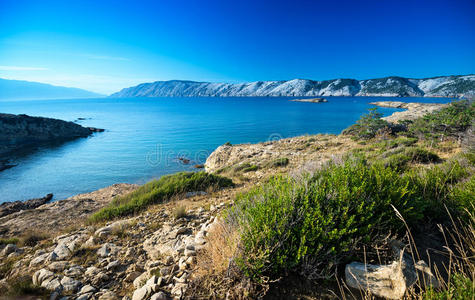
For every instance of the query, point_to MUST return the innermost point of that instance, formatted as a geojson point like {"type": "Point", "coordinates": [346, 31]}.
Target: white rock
{"type": "Point", "coordinates": [69, 284]}
{"type": "Point", "coordinates": [385, 281]}
{"type": "Point", "coordinates": [140, 294]}
{"type": "Point", "coordinates": [87, 289]}
{"type": "Point", "coordinates": [107, 249]}
{"type": "Point", "coordinates": [62, 251]}
{"type": "Point", "coordinates": [41, 275]}
{"type": "Point", "coordinates": [140, 281]}
{"type": "Point", "coordinates": [38, 260]}
{"type": "Point", "coordinates": [159, 296]}
{"type": "Point", "coordinates": [10, 248]}
{"type": "Point", "coordinates": [52, 284]}
{"type": "Point", "coordinates": [58, 266]}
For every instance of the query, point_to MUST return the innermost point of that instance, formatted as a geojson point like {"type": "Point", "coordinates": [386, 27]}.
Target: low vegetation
{"type": "Point", "coordinates": [448, 122]}
{"type": "Point", "coordinates": [310, 225]}
{"type": "Point", "coordinates": [158, 191]}
{"type": "Point", "coordinates": [368, 126]}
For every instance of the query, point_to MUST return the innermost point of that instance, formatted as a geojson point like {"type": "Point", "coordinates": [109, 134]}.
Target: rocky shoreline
{"type": "Point", "coordinates": [413, 110]}
{"type": "Point", "coordinates": [20, 133]}
{"type": "Point", "coordinates": [155, 254]}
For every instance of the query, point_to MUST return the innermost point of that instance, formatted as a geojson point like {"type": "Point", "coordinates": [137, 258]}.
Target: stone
{"type": "Point", "coordinates": [141, 293]}
{"type": "Point", "coordinates": [159, 296]}
{"type": "Point", "coordinates": [385, 281]}
{"type": "Point", "coordinates": [189, 253]}
{"type": "Point", "coordinates": [140, 280]}
{"type": "Point", "coordinates": [74, 271]}
{"type": "Point", "coordinates": [41, 275]}
{"type": "Point", "coordinates": [112, 265]}
{"type": "Point", "coordinates": [425, 274]}
{"type": "Point", "coordinates": [92, 271]}
{"type": "Point", "coordinates": [69, 284]}
{"type": "Point", "coordinates": [87, 289]}
{"type": "Point", "coordinates": [10, 248]}
{"type": "Point", "coordinates": [84, 296]}
{"type": "Point", "coordinates": [107, 249]}
{"type": "Point", "coordinates": [132, 276]}
{"type": "Point", "coordinates": [58, 266]}
{"type": "Point", "coordinates": [38, 260]}
{"type": "Point", "coordinates": [108, 295]}
{"type": "Point", "coordinates": [151, 280]}
{"type": "Point", "coordinates": [52, 284]}
{"type": "Point", "coordinates": [91, 242]}
{"type": "Point", "coordinates": [62, 251]}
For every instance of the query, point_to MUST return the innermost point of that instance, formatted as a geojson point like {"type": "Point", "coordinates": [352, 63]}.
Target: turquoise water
{"type": "Point", "coordinates": [144, 137]}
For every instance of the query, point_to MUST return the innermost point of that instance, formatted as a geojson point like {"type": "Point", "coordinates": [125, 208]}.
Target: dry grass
{"type": "Point", "coordinates": [219, 252]}
{"type": "Point", "coordinates": [459, 251]}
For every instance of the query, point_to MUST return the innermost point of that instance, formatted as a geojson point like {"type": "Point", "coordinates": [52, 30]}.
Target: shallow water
{"type": "Point", "coordinates": [144, 136]}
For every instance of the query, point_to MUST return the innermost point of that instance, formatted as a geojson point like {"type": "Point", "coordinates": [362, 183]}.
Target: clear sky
{"type": "Point", "coordinates": [104, 46]}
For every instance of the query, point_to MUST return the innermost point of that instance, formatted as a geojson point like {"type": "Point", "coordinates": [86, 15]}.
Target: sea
{"type": "Point", "coordinates": [145, 138]}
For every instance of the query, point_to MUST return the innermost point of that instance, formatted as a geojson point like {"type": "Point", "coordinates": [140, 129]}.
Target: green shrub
{"type": "Point", "coordinates": [420, 155]}
{"type": "Point", "coordinates": [158, 191]}
{"type": "Point", "coordinates": [245, 167]}
{"type": "Point", "coordinates": [368, 125]}
{"type": "Point", "coordinates": [460, 288]}
{"type": "Point", "coordinates": [449, 121]}
{"type": "Point", "coordinates": [397, 161]}
{"type": "Point", "coordinates": [313, 223]}
{"type": "Point", "coordinates": [280, 162]}
{"type": "Point", "coordinates": [9, 241]}
{"type": "Point", "coordinates": [434, 187]}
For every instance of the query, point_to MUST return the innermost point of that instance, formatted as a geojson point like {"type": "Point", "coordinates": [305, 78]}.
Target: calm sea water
{"type": "Point", "coordinates": [145, 136]}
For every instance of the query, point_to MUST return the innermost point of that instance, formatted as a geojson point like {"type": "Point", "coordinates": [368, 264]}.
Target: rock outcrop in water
{"type": "Point", "coordinates": [20, 132]}
{"type": "Point", "coordinates": [7, 208]}
{"type": "Point", "coordinates": [444, 86]}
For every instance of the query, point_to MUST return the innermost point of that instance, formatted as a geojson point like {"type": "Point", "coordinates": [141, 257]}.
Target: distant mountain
{"type": "Point", "coordinates": [444, 86]}
{"type": "Point", "coordinates": [18, 89]}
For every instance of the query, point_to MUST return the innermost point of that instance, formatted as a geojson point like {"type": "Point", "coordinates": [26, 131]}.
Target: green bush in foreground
{"type": "Point", "coordinates": [158, 191]}
{"type": "Point", "coordinates": [461, 288]}
{"type": "Point", "coordinates": [311, 224]}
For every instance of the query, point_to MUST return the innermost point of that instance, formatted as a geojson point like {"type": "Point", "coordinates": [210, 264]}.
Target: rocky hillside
{"type": "Point", "coordinates": [445, 86]}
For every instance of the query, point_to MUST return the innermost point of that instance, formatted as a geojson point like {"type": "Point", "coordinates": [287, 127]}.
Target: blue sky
{"type": "Point", "coordinates": [104, 46]}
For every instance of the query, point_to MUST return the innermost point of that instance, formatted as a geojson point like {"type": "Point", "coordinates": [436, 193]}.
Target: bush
{"type": "Point", "coordinates": [420, 155]}
{"type": "Point", "coordinates": [310, 225]}
{"type": "Point", "coordinates": [158, 191]}
{"type": "Point", "coordinates": [397, 161]}
{"type": "Point", "coordinates": [368, 125]}
{"type": "Point", "coordinates": [280, 162]}
{"type": "Point", "coordinates": [9, 241]}
{"type": "Point", "coordinates": [434, 187]}
{"type": "Point", "coordinates": [449, 121]}
{"type": "Point", "coordinates": [460, 288]}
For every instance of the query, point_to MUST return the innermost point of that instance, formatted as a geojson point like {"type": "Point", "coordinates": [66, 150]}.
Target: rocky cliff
{"type": "Point", "coordinates": [444, 86]}
{"type": "Point", "coordinates": [18, 132]}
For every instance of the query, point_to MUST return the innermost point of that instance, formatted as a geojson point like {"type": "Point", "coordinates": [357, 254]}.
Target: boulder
{"type": "Point", "coordinates": [10, 248]}
{"type": "Point", "coordinates": [69, 284]}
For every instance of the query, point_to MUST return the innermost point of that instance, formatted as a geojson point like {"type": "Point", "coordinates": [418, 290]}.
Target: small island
{"type": "Point", "coordinates": [311, 100]}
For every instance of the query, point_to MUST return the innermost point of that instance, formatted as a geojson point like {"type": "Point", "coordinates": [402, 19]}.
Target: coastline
{"type": "Point", "coordinates": [303, 152]}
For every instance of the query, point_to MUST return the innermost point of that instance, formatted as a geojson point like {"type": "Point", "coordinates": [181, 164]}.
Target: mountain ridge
{"type": "Point", "coordinates": [24, 90]}
{"type": "Point", "coordinates": [391, 86]}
